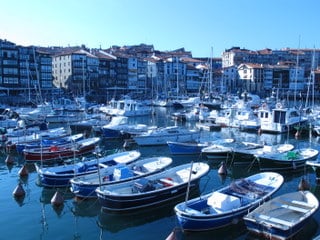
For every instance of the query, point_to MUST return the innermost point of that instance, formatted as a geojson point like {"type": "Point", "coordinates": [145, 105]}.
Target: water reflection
{"type": "Point", "coordinates": [114, 222]}
{"type": "Point", "coordinates": [86, 207]}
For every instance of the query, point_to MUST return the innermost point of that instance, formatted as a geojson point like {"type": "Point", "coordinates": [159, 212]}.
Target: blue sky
{"type": "Point", "coordinates": [198, 26]}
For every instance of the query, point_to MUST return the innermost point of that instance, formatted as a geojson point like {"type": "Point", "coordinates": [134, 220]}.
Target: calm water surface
{"type": "Point", "coordinates": [35, 218]}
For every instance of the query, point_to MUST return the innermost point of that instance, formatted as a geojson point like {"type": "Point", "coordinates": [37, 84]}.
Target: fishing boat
{"type": "Point", "coordinates": [30, 137]}
{"type": "Point", "coordinates": [218, 150]}
{"type": "Point", "coordinates": [286, 161]}
{"type": "Point", "coordinates": [160, 136]}
{"type": "Point", "coordinates": [284, 216]}
{"type": "Point", "coordinates": [119, 127]}
{"type": "Point", "coordinates": [315, 165]}
{"type": "Point", "coordinates": [249, 151]}
{"type": "Point", "coordinates": [281, 119]}
{"type": "Point", "coordinates": [59, 176]}
{"type": "Point", "coordinates": [126, 107]}
{"type": "Point", "coordinates": [84, 186]}
{"type": "Point", "coordinates": [47, 143]}
{"type": "Point", "coordinates": [186, 148]}
{"type": "Point", "coordinates": [60, 152]}
{"type": "Point", "coordinates": [157, 189]}
{"type": "Point", "coordinates": [229, 204]}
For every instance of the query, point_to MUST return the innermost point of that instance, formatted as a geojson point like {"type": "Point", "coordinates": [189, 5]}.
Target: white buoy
{"type": "Point", "coordinates": [19, 192]}
{"type": "Point", "coordinates": [57, 199]}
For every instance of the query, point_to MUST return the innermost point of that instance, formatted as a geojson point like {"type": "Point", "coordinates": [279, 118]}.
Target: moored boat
{"type": "Point", "coordinates": [218, 149]}
{"type": "Point", "coordinates": [287, 161]}
{"type": "Point", "coordinates": [47, 143]}
{"type": "Point", "coordinates": [60, 152]}
{"type": "Point", "coordinates": [160, 136]}
{"type": "Point", "coordinates": [315, 165]}
{"type": "Point", "coordinates": [153, 190]}
{"type": "Point", "coordinates": [229, 204]}
{"type": "Point", "coordinates": [53, 133]}
{"type": "Point", "coordinates": [84, 186]}
{"type": "Point", "coordinates": [59, 176]}
{"type": "Point", "coordinates": [249, 151]}
{"type": "Point", "coordinates": [283, 216]}
{"type": "Point", "coordinates": [186, 148]}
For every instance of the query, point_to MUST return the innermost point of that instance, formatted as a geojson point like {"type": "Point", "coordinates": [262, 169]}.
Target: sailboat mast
{"type": "Point", "coordinates": [210, 72]}
{"type": "Point", "coordinates": [177, 76]}
{"type": "Point", "coordinates": [28, 77]}
{"type": "Point", "coordinates": [296, 75]}
{"type": "Point", "coordinates": [37, 74]}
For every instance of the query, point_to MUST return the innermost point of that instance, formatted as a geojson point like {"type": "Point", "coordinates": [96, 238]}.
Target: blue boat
{"type": "Point", "coordinates": [229, 204]}
{"type": "Point", "coordinates": [186, 147]}
{"type": "Point", "coordinates": [154, 190]}
{"type": "Point", "coordinates": [59, 176]}
{"type": "Point", "coordinates": [45, 143]}
{"type": "Point", "coordinates": [85, 186]}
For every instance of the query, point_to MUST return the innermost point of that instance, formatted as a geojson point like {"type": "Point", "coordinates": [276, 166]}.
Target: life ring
{"type": "Point", "coordinates": [278, 105]}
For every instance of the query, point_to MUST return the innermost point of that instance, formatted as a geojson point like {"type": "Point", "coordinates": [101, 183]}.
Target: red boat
{"type": "Point", "coordinates": [79, 148]}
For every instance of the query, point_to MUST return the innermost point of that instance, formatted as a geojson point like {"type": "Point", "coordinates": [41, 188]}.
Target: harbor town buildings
{"type": "Point", "coordinates": [40, 73]}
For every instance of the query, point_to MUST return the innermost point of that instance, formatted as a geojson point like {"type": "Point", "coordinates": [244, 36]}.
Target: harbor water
{"type": "Point", "coordinates": [33, 217]}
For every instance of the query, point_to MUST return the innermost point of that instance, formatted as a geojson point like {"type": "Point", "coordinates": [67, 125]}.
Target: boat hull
{"type": "Point", "coordinates": [228, 205]}
{"type": "Point", "coordinates": [283, 216]}
{"type": "Point", "coordinates": [117, 203]}
{"type": "Point", "coordinates": [56, 155]}
{"type": "Point", "coordinates": [60, 176]}
{"type": "Point", "coordinates": [162, 139]}
{"type": "Point", "coordinates": [186, 148]}
{"type": "Point", "coordinates": [286, 162]}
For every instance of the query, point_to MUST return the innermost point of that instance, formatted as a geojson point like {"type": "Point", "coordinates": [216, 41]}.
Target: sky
{"type": "Point", "coordinates": [204, 27]}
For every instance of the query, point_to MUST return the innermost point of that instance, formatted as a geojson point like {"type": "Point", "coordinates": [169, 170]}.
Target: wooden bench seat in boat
{"type": "Point", "coordinates": [294, 208]}
{"type": "Point", "coordinates": [274, 220]}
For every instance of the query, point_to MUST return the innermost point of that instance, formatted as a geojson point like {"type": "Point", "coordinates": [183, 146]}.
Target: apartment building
{"type": "Point", "coordinates": [75, 70]}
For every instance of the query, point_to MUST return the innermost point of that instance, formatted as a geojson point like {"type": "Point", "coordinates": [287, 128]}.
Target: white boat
{"type": "Point", "coordinates": [7, 120]}
{"type": "Point", "coordinates": [162, 103]}
{"type": "Point", "coordinates": [281, 119]}
{"type": "Point", "coordinates": [36, 114]}
{"type": "Point", "coordinates": [227, 205]}
{"type": "Point", "coordinates": [126, 107]}
{"type": "Point", "coordinates": [186, 102]}
{"type": "Point", "coordinates": [84, 186]}
{"type": "Point", "coordinates": [160, 136]}
{"type": "Point", "coordinates": [36, 136]}
{"type": "Point", "coordinates": [119, 126]}
{"type": "Point", "coordinates": [218, 149]}
{"type": "Point", "coordinates": [238, 117]}
{"type": "Point", "coordinates": [283, 216]}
